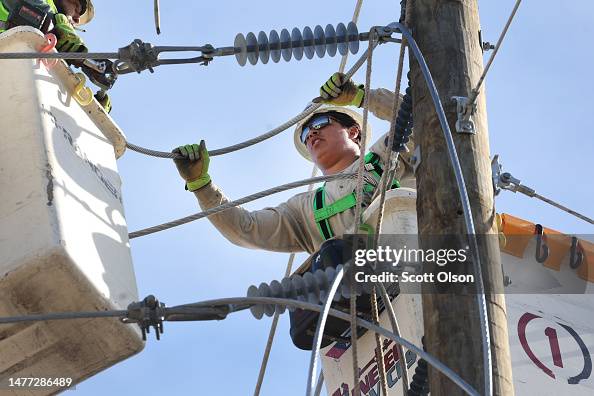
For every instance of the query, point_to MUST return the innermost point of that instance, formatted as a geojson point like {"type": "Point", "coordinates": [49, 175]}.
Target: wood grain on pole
{"type": "Point", "coordinates": [447, 32]}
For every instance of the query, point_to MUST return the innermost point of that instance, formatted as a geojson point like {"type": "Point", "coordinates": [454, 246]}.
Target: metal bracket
{"type": "Point", "coordinates": [506, 181]}
{"type": "Point", "coordinates": [464, 123]}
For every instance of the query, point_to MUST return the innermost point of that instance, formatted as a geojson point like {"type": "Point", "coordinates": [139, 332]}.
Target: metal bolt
{"type": "Point", "coordinates": [487, 46]}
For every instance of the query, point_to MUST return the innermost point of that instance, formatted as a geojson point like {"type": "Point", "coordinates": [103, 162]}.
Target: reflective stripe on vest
{"type": "Point", "coordinates": [322, 212]}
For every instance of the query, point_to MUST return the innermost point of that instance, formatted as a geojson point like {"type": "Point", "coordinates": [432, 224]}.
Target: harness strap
{"type": "Point", "coordinates": [322, 212]}
{"type": "Point", "coordinates": [323, 225]}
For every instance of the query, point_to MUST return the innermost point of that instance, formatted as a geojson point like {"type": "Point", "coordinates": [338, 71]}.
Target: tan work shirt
{"type": "Point", "coordinates": [290, 227]}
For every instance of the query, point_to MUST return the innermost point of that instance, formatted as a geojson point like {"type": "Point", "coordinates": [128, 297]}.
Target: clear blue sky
{"type": "Point", "coordinates": [539, 96]}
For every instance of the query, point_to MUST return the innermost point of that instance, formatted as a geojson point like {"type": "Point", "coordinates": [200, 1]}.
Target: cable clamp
{"type": "Point", "coordinates": [464, 123]}
{"type": "Point", "coordinates": [506, 181]}
{"type": "Point", "coordinates": [147, 313]}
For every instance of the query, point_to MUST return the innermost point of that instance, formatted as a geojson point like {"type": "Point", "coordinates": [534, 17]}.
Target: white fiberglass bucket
{"type": "Point", "coordinates": [63, 236]}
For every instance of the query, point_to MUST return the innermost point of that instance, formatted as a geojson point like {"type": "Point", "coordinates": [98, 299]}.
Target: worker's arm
{"type": "Point", "coordinates": [280, 229]}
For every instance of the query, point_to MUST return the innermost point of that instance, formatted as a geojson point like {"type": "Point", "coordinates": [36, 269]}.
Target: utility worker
{"type": "Point", "coordinates": [330, 138]}
{"type": "Point", "coordinates": [64, 14]}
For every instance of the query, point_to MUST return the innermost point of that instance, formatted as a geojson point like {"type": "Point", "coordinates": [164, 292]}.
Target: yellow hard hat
{"type": "Point", "coordinates": [88, 14]}
{"type": "Point", "coordinates": [324, 109]}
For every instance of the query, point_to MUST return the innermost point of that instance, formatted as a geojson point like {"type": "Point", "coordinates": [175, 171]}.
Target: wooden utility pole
{"type": "Point", "coordinates": [447, 33]}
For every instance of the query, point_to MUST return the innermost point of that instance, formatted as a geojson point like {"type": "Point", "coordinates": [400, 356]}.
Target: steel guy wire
{"type": "Point", "coordinates": [475, 91]}
{"type": "Point", "coordinates": [453, 155]}
{"type": "Point", "coordinates": [563, 208]}
{"type": "Point", "coordinates": [241, 201]}
{"type": "Point", "coordinates": [317, 341]}
{"type": "Point", "coordinates": [235, 304]}
{"type": "Point", "coordinates": [273, 132]}
{"type": "Point", "coordinates": [507, 181]}
{"type": "Point", "coordinates": [274, 323]}
{"type": "Point", "coordinates": [433, 361]}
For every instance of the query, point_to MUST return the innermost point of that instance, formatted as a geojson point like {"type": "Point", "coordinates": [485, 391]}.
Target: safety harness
{"type": "Point", "coordinates": [323, 212]}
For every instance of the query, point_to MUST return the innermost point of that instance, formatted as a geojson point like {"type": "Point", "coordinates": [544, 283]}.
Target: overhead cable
{"type": "Point", "coordinates": [241, 201]}
{"type": "Point", "coordinates": [433, 361]}
{"type": "Point", "coordinates": [194, 311]}
{"type": "Point", "coordinates": [273, 132]}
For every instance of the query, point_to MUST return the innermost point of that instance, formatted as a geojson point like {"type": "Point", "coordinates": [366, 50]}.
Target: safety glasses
{"type": "Point", "coordinates": [315, 124]}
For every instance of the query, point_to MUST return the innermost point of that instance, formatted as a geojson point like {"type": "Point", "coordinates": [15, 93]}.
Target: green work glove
{"type": "Point", "coordinates": [193, 168]}
{"type": "Point", "coordinates": [68, 40]}
{"type": "Point", "coordinates": [339, 92]}
{"type": "Point", "coordinates": [104, 100]}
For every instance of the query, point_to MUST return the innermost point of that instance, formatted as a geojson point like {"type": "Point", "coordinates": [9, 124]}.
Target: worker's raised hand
{"type": "Point", "coordinates": [339, 92]}
{"type": "Point", "coordinates": [193, 167]}
{"type": "Point", "coordinates": [68, 40]}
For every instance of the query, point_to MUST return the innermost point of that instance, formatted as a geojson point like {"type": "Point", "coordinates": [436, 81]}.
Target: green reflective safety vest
{"type": "Point", "coordinates": [323, 212]}
{"type": "Point", "coordinates": [4, 12]}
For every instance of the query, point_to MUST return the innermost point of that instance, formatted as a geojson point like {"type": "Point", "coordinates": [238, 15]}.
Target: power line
{"type": "Point", "coordinates": [241, 201]}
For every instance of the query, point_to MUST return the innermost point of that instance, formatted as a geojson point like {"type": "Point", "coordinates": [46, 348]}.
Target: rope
{"type": "Point", "coordinates": [475, 91]}
{"type": "Point", "coordinates": [396, 330]}
{"type": "Point", "coordinates": [390, 163]}
{"type": "Point", "coordinates": [273, 132]}
{"type": "Point", "coordinates": [274, 324]}
{"type": "Point", "coordinates": [271, 335]}
{"type": "Point", "coordinates": [379, 350]}
{"type": "Point", "coordinates": [359, 199]}
{"type": "Point", "coordinates": [292, 257]}
{"type": "Point", "coordinates": [241, 201]}
{"type": "Point", "coordinates": [468, 220]}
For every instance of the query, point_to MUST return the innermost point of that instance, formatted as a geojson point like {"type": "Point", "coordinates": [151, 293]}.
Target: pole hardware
{"type": "Point", "coordinates": [576, 255]}
{"type": "Point", "coordinates": [505, 180]}
{"type": "Point", "coordinates": [487, 46]}
{"type": "Point", "coordinates": [542, 250]}
{"type": "Point", "coordinates": [464, 123]}
{"type": "Point", "coordinates": [147, 313]}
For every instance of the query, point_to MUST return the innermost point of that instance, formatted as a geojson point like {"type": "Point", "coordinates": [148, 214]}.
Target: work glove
{"type": "Point", "coordinates": [104, 100]}
{"type": "Point", "coordinates": [68, 40]}
{"type": "Point", "coordinates": [339, 92]}
{"type": "Point", "coordinates": [193, 168]}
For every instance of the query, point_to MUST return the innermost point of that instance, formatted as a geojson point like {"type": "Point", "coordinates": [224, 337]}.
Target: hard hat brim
{"type": "Point", "coordinates": [88, 15]}
{"type": "Point", "coordinates": [323, 109]}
